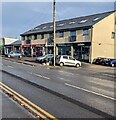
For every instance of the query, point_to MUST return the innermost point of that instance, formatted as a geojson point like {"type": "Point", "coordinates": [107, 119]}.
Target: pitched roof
{"type": "Point", "coordinates": [74, 23]}
{"type": "Point", "coordinates": [18, 42]}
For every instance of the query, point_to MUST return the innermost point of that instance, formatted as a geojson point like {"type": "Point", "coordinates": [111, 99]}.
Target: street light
{"type": "Point", "coordinates": [54, 24]}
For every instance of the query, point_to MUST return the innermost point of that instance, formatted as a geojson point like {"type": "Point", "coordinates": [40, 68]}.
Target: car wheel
{"type": "Point", "coordinates": [112, 65]}
{"type": "Point", "coordinates": [77, 65]}
{"type": "Point", "coordinates": [61, 64]}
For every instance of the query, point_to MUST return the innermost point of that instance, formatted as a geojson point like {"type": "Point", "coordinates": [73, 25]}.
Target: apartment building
{"type": "Point", "coordinates": [84, 38]}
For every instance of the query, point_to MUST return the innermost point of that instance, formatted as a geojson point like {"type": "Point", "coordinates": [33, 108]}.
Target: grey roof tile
{"type": "Point", "coordinates": [67, 24]}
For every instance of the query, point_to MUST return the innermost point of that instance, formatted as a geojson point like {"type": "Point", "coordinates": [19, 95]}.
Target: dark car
{"type": "Point", "coordinates": [51, 60]}
{"type": "Point", "coordinates": [113, 63]}
{"type": "Point", "coordinates": [99, 61]}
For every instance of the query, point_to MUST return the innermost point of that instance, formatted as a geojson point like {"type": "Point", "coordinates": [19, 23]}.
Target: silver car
{"type": "Point", "coordinates": [44, 57]}
{"type": "Point", "coordinates": [15, 54]}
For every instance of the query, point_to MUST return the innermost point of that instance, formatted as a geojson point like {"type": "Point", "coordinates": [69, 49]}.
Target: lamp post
{"type": "Point", "coordinates": [54, 29]}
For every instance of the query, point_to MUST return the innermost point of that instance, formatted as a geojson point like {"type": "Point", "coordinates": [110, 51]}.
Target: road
{"type": "Point", "coordinates": [75, 92]}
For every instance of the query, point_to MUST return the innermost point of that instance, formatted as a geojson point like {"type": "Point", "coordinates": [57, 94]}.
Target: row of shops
{"type": "Point", "coordinates": [80, 51]}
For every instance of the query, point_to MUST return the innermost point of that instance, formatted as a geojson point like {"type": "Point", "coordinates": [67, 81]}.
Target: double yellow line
{"type": "Point", "coordinates": [39, 112]}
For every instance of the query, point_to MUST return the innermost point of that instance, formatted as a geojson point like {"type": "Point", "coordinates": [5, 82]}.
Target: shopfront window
{"type": "Point", "coordinates": [64, 50]}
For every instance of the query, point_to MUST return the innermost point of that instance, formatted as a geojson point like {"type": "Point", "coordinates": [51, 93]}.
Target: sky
{"type": "Point", "coordinates": [19, 17]}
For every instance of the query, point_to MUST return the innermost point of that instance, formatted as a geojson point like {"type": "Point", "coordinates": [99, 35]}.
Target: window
{"type": "Point", "coordinates": [44, 27]}
{"type": "Point", "coordinates": [42, 36]}
{"type": "Point", "coordinates": [23, 38]}
{"type": "Point", "coordinates": [35, 37]}
{"type": "Point", "coordinates": [71, 58]}
{"type": "Point", "coordinates": [83, 21]}
{"type": "Point", "coordinates": [65, 57]}
{"type": "Point", "coordinates": [72, 33]}
{"type": "Point", "coordinates": [50, 39]}
{"type": "Point", "coordinates": [51, 35]}
{"type": "Point", "coordinates": [72, 22]}
{"type": "Point", "coordinates": [72, 36]}
{"type": "Point", "coordinates": [61, 34]}
{"type": "Point", "coordinates": [51, 26]}
{"type": "Point", "coordinates": [59, 25]}
{"type": "Point", "coordinates": [115, 20]}
{"type": "Point", "coordinates": [113, 35]}
{"type": "Point", "coordinates": [95, 19]}
{"type": "Point", "coordinates": [85, 32]}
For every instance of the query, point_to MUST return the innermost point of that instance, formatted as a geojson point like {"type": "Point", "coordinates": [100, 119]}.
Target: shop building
{"type": "Point", "coordinates": [84, 38]}
{"type": "Point", "coordinates": [9, 44]}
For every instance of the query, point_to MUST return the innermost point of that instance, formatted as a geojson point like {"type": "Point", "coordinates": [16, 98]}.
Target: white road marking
{"type": "Point", "coordinates": [10, 66]}
{"type": "Point", "coordinates": [66, 72]}
{"type": "Point", "coordinates": [41, 76]}
{"type": "Point", "coordinates": [63, 79]}
{"type": "Point", "coordinates": [108, 75]}
{"type": "Point", "coordinates": [89, 91]}
{"type": "Point", "coordinates": [38, 75]}
{"type": "Point", "coordinates": [102, 82]}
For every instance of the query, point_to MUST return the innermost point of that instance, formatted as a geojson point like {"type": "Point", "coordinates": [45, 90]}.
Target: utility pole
{"type": "Point", "coordinates": [54, 24]}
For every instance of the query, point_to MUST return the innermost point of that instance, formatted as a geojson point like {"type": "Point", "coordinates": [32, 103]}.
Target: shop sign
{"type": "Point", "coordinates": [81, 44]}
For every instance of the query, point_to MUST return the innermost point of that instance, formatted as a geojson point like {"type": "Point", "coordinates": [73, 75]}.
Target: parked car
{"type": "Point", "coordinates": [113, 63]}
{"type": "Point", "coordinates": [15, 54]}
{"type": "Point", "coordinates": [103, 61]}
{"type": "Point", "coordinates": [51, 60]}
{"type": "Point", "coordinates": [67, 60]}
{"type": "Point", "coordinates": [44, 58]}
{"type": "Point", "coordinates": [98, 60]}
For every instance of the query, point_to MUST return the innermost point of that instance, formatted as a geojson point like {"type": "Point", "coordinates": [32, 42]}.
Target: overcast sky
{"type": "Point", "coordinates": [18, 17]}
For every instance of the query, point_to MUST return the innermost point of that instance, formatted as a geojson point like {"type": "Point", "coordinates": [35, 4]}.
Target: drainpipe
{"type": "Point", "coordinates": [90, 58]}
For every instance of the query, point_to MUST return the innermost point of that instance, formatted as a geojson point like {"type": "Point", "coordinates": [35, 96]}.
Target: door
{"type": "Point", "coordinates": [71, 61]}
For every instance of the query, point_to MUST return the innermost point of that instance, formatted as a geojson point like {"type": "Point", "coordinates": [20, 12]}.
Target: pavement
{"type": "Point", "coordinates": [11, 109]}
